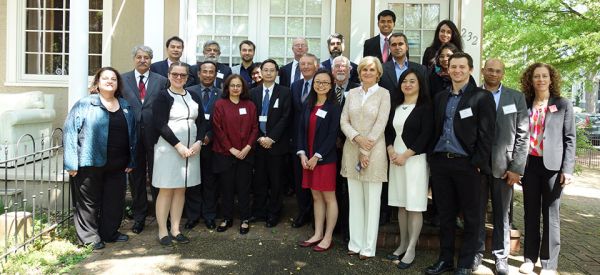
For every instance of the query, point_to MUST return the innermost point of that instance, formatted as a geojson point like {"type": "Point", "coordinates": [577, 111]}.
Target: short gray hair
{"type": "Point", "coordinates": [143, 48]}
{"type": "Point", "coordinates": [211, 42]}
{"type": "Point", "coordinates": [344, 59]}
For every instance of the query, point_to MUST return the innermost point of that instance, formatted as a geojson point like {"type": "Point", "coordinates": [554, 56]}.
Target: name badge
{"type": "Point", "coordinates": [262, 118]}
{"type": "Point", "coordinates": [207, 116]}
{"type": "Point", "coordinates": [509, 109]}
{"type": "Point", "coordinates": [465, 113]}
{"type": "Point", "coordinates": [276, 105]}
{"type": "Point", "coordinates": [321, 113]}
{"type": "Point", "coordinates": [243, 111]}
{"type": "Point", "coordinates": [125, 111]}
{"type": "Point", "coordinates": [220, 75]}
{"type": "Point", "coordinates": [552, 108]}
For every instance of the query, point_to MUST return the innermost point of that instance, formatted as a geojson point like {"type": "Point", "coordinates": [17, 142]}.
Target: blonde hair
{"type": "Point", "coordinates": [368, 60]}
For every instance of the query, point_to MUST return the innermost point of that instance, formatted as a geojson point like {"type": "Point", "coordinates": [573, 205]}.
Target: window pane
{"type": "Point", "coordinates": [54, 42]}
{"type": "Point", "coordinates": [67, 20]}
{"type": "Point", "coordinates": [222, 25]}
{"type": "Point", "coordinates": [223, 6]}
{"type": "Point", "coordinates": [34, 20]}
{"type": "Point", "coordinates": [313, 7]}
{"type": "Point", "coordinates": [33, 41]}
{"type": "Point", "coordinates": [54, 65]}
{"type": "Point", "coordinates": [277, 26]}
{"type": "Point", "coordinates": [95, 21]}
{"type": "Point", "coordinates": [427, 38]}
{"type": "Point", "coordinates": [33, 64]}
{"type": "Point", "coordinates": [240, 7]}
{"type": "Point", "coordinates": [54, 20]}
{"type": "Point", "coordinates": [225, 43]}
{"type": "Point", "coordinates": [205, 6]}
{"type": "Point", "coordinates": [34, 4]}
{"type": "Point", "coordinates": [414, 42]}
{"type": "Point", "coordinates": [240, 25]}
{"type": "Point", "coordinates": [277, 7]}
{"type": "Point", "coordinates": [205, 24]}
{"type": "Point", "coordinates": [201, 39]}
{"type": "Point", "coordinates": [313, 26]}
{"type": "Point", "coordinates": [398, 9]}
{"type": "Point", "coordinates": [95, 43]}
{"type": "Point", "coordinates": [54, 4]}
{"type": "Point", "coordinates": [295, 7]}
{"type": "Point", "coordinates": [431, 16]}
{"type": "Point", "coordinates": [276, 47]}
{"type": "Point", "coordinates": [413, 16]}
{"type": "Point", "coordinates": [315, 43]}
{"type": "Point", "coordinates": [95, 63]}
{"type": "Point", "coordinates": [295, 26]}
{"type": "Point", "coordinates": [95, 4]}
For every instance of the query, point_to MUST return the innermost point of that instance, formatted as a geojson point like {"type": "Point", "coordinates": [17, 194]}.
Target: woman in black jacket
{"type": "Point", "coordinates": [407, 136]}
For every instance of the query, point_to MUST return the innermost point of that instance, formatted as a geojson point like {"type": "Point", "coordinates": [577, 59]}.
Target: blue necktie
{"type": "Point", "coordinates": [264, 111]}
{"type": "Point", "coordinates": [297, 72]}
{"type": "Point", "coordinates": [305, 91]}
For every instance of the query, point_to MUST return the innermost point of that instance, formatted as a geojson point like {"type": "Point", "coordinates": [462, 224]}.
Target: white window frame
{"type": "Point", "coordinates": [15, 47]}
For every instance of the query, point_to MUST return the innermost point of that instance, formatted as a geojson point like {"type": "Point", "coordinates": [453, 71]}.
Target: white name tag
{"type": "Point", "coordinates": [465, 113]}
{"type": "Point", "coordinates": [276, 105]}
{"type": "Point", "coordinates": [243, 111]}
{"type": "Point", "coordinates": [262, 118]}
{"type": "Point", "coordinates": [220, 75]}
{"type": "Point", "coordinates": [125, 111]}
{"type": "Point", "coordinates": [509, 109]}
{"type": "Point", "coordinates": [321, 113]}
{"type": "Point", "coordinates": [207, 116]}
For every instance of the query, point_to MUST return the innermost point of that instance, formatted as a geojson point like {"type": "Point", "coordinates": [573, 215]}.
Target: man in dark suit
{"type": "Point", "coordinates": [335, 42]}
{"type": "Point", "coordinates": [273, 107]}
{"type": "Point", "coordinates": [398, 64]}
{"type": "Point", "coordinates": [462, 142]}
{"type": "Point", "coordinates": [378, 45]}
{"type": "Point", "coordinates": [212, 52]}
{"type": "Point", "coordinates": [300, 89]}
{"type": "Point", "coordinates": [174, 47]}
{"type": "Point", "coordinates": [291, 71]}
{"type": "Point", "coordinates": [141, 86]}
{"type": "Point", "coordinates": [509, 155]}
{"type": "Point", "coordinates": [201, 200]}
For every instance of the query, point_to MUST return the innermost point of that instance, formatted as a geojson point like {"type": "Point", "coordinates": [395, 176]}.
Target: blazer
{"type": "Point", "coordinates": [162, 109]}
{"type": "Point", "coordinates": [475, 133]}
{"type": "Point", "coordinates": [511, 139]}
{"type": "Point", "coordinates": [142, 111]}
{"type": "Point", "coordinates": [439, 83]}
{"type": "Point", "coordinates": [223, 71]}
{"type": "Point", "coordinates": [372, 47]}
{"type": "Point", "coordinates": [297, 104]}
{"type": "Point", "coordinates": [368, 120]}
{"type": "Point", "coordinates": [559, 136]}
{"type": "Point", "coordinates": [285, 75]}
{"type": "Point", "coordinates": [389, 80]}
{"type": "Point", "coordinates": [325, 132]}
{"type": "Point", "coordinates": [417, 130]}
{"type": "Point", "coordinates": [353, 73]}
{"type": "Point", "coordinates": [215, 93]}
{"type": "Point", "coordinates": [278, 118]}
{"type": "Point", "coordinates": [162, 68]}
{"type": "Point", "coordinates": [85, 137]}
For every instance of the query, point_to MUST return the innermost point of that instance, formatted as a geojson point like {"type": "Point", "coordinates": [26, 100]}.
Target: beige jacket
{"type": "Point", "coordinates": [368, 120]}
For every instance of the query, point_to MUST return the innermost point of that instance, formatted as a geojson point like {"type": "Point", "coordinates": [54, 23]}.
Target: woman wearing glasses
{"type": "Point", "coordinates": [179, 121]}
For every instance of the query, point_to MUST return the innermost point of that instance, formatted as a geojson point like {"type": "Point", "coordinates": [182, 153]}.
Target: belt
{"type": "Point", "coordinates": [449, 155]}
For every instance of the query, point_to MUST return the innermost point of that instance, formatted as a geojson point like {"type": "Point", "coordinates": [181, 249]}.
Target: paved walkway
{"type": "Point", "coordinates": [274, 251]}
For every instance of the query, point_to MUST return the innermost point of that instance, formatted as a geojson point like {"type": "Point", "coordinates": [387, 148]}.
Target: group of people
{"type": "Point", "coordinates": [203, 134]}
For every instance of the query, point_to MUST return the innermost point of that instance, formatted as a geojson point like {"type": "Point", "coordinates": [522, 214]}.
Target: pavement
{"type": "Point", "coordinates": [275, 251]}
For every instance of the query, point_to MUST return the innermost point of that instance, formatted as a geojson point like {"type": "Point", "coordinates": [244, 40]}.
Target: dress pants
{"type": "Point", "coordinates": [196, 202]}
{"type": "Point", "coordinates": [501, 194]}
{"type": "Point", "coordinates": [456, 187]}
{"type": "Point", "coordinates": [541, 192]}
{"type": "Point", "coordinates": [267, 186]}
{"type": "Point", "coordinates": [236, 179]}
{"type": "Point", "coordinates": [341, 194]}
{"type": "Point", "coordinates": [365, 199]}
{"type": "Point", "coordinates": [99, 198]}
{"type": "Point", "coordinates": [303, 196]}
{"type": "Point", "coordinates": [138, 178]}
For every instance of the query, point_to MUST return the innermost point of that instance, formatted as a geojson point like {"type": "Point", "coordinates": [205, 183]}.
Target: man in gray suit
{"type": "Point", "coordinates": [140, 87]}
{"type": "Point", "coordinates": [509, 154]}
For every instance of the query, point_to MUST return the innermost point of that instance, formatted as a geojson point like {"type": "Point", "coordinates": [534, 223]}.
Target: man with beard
{"type": "Point", "coordinates": [335, 43]}
{"type": "Point", "coordinates": [212, 52]}
{"type": "Point", "coordinates": [400, 63]}
{"type": "Point", "coordinates": [247, 50]}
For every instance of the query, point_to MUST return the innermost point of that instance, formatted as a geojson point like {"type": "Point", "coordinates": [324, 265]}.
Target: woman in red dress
{"type": "Point", "coordinates": [320, 123]}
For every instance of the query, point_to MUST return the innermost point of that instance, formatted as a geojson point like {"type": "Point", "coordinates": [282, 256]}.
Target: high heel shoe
{"type": "Point", "coordinates": [308, 244]}
{"type": "Point", "coordinates": [227, 223]}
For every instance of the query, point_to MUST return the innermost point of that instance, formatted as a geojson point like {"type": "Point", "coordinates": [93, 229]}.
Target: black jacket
{"type": "Point", "coordinates": [417, 130]}
{"type": "Point", "coordinates": [325, 133]}
{"type": "Point", "coordinates": [161, 110]}
{"type": "Point", "coordinates": [278, 119]}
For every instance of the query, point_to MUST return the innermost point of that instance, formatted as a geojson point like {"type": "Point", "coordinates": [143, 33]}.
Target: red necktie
{"type": "Point", "coordinates": [386, 50]}
{"type": "Point", "coordinates": [142, 87]}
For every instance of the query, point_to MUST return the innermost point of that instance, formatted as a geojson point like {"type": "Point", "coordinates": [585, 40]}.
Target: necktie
{"type": "Point", "coordinates": [142, 87]}
{"type": "Point", "coordinates": [386, 50]}
{"type": "Point", "coordinates": [205, 98]}
{"type": "Point", "coordinates": [338, 93]}
{"type": "Point", "coordinates": [297, 72]}
{"type": "Point", "coordinates": [265, 111]}
{"type": "Point", "coordinates": [305, 91]}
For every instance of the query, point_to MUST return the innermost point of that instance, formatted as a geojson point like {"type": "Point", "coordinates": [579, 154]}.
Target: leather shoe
{"type": "Point", "coordinates": [501, 267]}
{"type": "Point", "coordinates": [439, 267]}
{"type": "Point", "coordinates": [166, 240]}
{"type": "Point", "coordinates": [477, 261]}
{"type": "Point", "coordinates": [244, 230]}
{"type": "Point", "coordinates": [120, 238]}
{"type": "Point", "coordinates": [224, 225]}
{"type": "Point", "coordinates": [317, 248]}
{"type": "Point", "coordinates": [137, 227]}
{"type": "Point", "coordinates": [403, 265]}
{"type": "Point", "coordinates": [271, 223]}
{"type": "Point", "coordinates": [190, 224]}
{"type": "Point", "coordinates": [462, 271]}
{"type": "Point", "coordinates": [394, 257]}
{"type": "Point", "coordinates": [99, 245]}
{"type": "Point", "coordinates": [309, 244]}
{"type": "Point", "coordinates": [180, 238]}
{"type": "Point", "coordinates": [210, 224]}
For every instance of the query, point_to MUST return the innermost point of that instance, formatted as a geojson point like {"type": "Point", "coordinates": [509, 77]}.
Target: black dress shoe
{"type": "Point", "coordinates": [99, 245]}
{"type": "Point", "coordinates": [462, 271]}
{"type": "Point", "coordinates": [137, 227]}
{"type": "Point", "coordinates": [166, 240]}
{"type": "Point", "coordinates": [226, 224]}
{"type": "Point", "coordinates": [439, 267]}
{"type": "Point", "coordinates": [121, 238]}
{"type": "Point", "coordinates": [244, 230]}
{"type": "Point", "coordinates": [190, 224]}
{"type": "Point", "coordinates": [477, 261]}
{"type": "Point", "coordinates": [271, 223]}
{"type": "Point", "coordinates": [180, 238]}
{"type": "Point", "coordinates": [210, 224]}
{"type": "Point", "coordinates": [403, 265]}
{"type": "Point", "coordinates": [394, 257]}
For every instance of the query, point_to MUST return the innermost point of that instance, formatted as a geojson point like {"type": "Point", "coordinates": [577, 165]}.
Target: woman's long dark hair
{"type": "Point", "coordinates": [455, 39]}
{"type": "Point", "coordinates": [423, 97]}
{"type": "Point", "coordinates": [94, 88]}
{"type": "Point", "coordinates": [312, 95]}
{"type": "Point", "coordinates": [453, 48]}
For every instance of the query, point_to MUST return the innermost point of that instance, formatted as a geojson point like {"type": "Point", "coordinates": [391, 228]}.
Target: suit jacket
{"type": "Point", "coordinates": [278, 118]}
{"type": "Point", "coordinates": [511, 139]}
{"type": "Point", "coordinates": [325, 132]}
{"type": "Point", "coordinates": [162, 68]}
{"type": "Point", "coordinates": [389, 80]}
{"type": "Point", "coordinates": [285, 75]}
{"type": "Point", "coordinates": [215, 94]}
{"type": "Point", "coordinates": [559, 136]}
{"type": "Point", "coordinates": [475, 133]}
{"type": "Point", "coordinates": [372, 47]}
{"type": "Point", "coordinates": [223, 71]}
{"type": "Point", "coordinates": [353, 73]}
{"type": "Point", "coordinates": [417, 129]}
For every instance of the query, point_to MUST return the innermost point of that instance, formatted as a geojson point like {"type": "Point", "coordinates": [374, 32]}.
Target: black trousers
{"type": "Point", "coordinates": [541, 193]}
{"type": "Point", "coordinates": [268, 185]}
{"type": "Point", "coordinates": [501, 195]}
{"type": "Point", "coordinates": [236, 179]}
{"type": "Point", "coordinates": [201, 200]}
{"type": "Point", "coordinates": [139, 177]}
{"type": "Point", "coordinates": [456, 187]}
{"type": "Point", "coordinates": [303, 196]}
{"type": "Point", "coordinates": [341, 194]}
{"type": "Point", "coordinates": [99, 198]}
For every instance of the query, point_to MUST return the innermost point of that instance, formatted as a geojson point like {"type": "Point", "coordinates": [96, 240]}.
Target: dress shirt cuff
{"type": "Point", "coordinates": [318, 156]}
{"type": "Point", "coordinates": [300, 153]}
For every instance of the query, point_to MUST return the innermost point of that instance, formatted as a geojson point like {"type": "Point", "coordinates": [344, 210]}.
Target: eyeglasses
{"type": "Point", "coordinates": [322, 83]}
{"type": "Point", "coordinates": [237, 86]}
{"type": "Point", "coordinates": [268, 70]}
{"type": "Point", "coordinates": [176, 75]}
